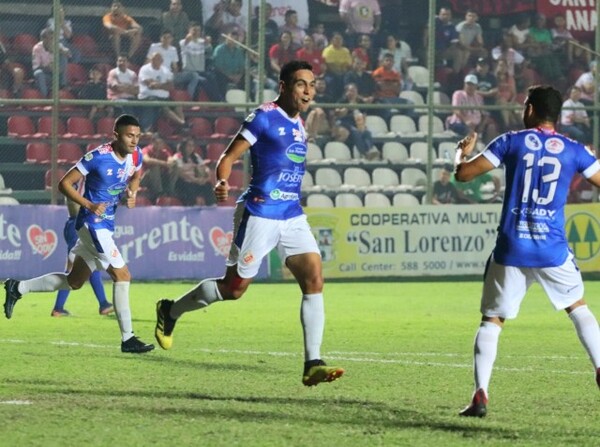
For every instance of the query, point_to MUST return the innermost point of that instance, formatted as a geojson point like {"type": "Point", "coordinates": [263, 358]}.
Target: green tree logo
{"type": "Point", "coordinates": [583, 235]}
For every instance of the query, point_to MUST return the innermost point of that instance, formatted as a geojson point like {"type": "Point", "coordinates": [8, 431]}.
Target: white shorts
{"type": "Point", "coordinates": [504, 287]}
{"type": "Point", "coordinates": [98, 249]}
{"type": "Point", "coordinates": [254, 237]}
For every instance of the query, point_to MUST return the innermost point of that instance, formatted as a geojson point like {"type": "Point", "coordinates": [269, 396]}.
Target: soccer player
{"type": "Point", "coordinates": [112, 174]}
{"type": "Point", "coordinates": [531, 245]}
{"type": "Point", "coordinates": [70, 235]}
{"type": "Point", "coordinates": [268, 215]}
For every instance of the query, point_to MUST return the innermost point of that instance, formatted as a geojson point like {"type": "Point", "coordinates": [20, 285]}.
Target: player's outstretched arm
{"type": "Point", "coordinates": [466, 169]}
{"type": "Point", "coordinates": [234, 151]}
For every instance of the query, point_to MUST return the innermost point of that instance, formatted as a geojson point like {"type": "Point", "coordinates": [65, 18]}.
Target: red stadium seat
{"type": "Point", "coordinates": [104, 126]}
{"type": "Point", "coordinates": [44, 126]}
{"type": "Point", "coordinates": [141, 200]}
{"type": "Point", "coordinates": [76, 74]}
{"type": "Point", "coordinates": [226, 126]}
{"type": "Point", "coordinates": [200, 127]}
{"type": "Point", "coordinates": [80, 127]}
{"type": "Point", "coordinates": [60, 173]}
{"type": "Point", "coordinates": [38, 153]}
{"type": "Point", "coordinates": [86, 45]}
{"type": "Point", "coordinates": [20, 126]}
{"type": "Point", "coordinates": [69, 153]}
{"type": "Point", "coordinates": [166, 128]}
{"type": "Point", "coordinates": [23, 43]}
{"type": "Point", "coordinates": [33, 93]}
{"type": "Point", "coordinates": [214, 150]}
{"type": "Point", "coordinates": [236, 179]}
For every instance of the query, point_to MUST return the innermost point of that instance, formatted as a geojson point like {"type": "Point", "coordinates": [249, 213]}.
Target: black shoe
{"type": "Point", "coordinates": [12, 296]}
{"type": "Point", "coordinates": [135, 346]}
{"type": "Point", "coordinates": [164, 324]}
{"type": "Point", "coordinates": [478, 406]}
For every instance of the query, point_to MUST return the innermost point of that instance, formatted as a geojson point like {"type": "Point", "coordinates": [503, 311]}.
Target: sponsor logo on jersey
{"type": "Point", "coordinates": [534, 212]}
{"type": "Point", "coordinates": [296, 152]}
{"type": "Point", "coordinates": [288, 176]}
{"type": "Point", "coordinates": [554, 145]}
{"type": "Point", "coordinates": [88, 156]}
{"type": "Point", "coordinates": [298, 135]}
{"type": "Point", "coordinates": [278, 194]}
{"type": "Point", "coordinates": [532, 141]}
{"type": "Point", "coordinates": [268, 106]}
{"type": "Point", "coordinates": [114, 253]}
{"type": "Point", "coordinates": [116, 189]}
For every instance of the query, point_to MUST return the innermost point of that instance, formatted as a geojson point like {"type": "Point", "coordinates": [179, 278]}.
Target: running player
{"type": "Point", "coordinates": [268, 215]}
{"type": "Point", "coordinates": [112, 174]}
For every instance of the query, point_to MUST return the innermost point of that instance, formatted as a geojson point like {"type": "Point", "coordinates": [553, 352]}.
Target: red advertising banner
{"type": "Point", "coordinates": [494, 7]}
{"type": "Point", "coordinates": [580, 15]}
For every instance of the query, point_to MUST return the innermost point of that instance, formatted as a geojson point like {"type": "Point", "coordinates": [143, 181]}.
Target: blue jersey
{"type": "Point", "coordinates": [106, 179]}
{"type": "Point", "coordinates": [278, 154]}
{"type": "Point", "coordinates": [539, 165]}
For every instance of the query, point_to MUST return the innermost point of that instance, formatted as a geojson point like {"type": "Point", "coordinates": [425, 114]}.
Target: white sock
{"type": "Point", "coordinates": [46, 283]}
{"type": "Point", "coordinates": [312, 316]}
{"type": "Point", "coordinates": [588, 332]}
{"type": "Point", "coordinates": [485, 349]}
{"type": "Point", "coordinates": [122, 309]}
{"type": "Point", "coordinates": [204, 294]}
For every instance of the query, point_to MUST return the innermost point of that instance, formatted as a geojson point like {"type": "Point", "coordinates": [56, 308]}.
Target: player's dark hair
{"type": "Point", "coordinates": [126, 120]}
{"type": "Point", "coordinates": [287, 71]}
{"type": "Point", "coordinates": [546, 102]}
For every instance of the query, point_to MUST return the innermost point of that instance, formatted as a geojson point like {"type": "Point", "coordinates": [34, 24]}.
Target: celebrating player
{"type": "Point", "coordinates": [531, 245]}
{"type": "Point", "coordinates": [268, 215]}
{"type": "Point", "coordinates": [112, 173]}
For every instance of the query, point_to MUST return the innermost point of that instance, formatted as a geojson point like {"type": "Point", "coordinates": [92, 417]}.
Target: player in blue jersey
{"type": "Point", "coordinates": [112, 175]}
{"type": "Point", "coordinates": [268, 215]}
{"type": "Point", "coordinates": [70, 235]}
{"type": "Point", "coordinates": [531, 244]}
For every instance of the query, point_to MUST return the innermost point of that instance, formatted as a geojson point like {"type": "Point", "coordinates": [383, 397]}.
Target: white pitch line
{"type": "Point", "coordinates": [15, 402]}
{"type": "Point", "coordinates": [352, 356]}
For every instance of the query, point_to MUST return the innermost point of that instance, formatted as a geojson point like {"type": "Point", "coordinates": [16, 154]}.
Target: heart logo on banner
{"type": "Point", "coordinates": [42, 242]}
{"type": "Point", "coordinates": [220, 240]}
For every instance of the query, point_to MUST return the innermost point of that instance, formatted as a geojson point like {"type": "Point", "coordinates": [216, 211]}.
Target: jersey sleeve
{"type": "Point", "coordinates": [495, 151]}
{"type": "Point", "coordinates": [87, 162]}
{"type": "Point", "coordinates": [587, 164]}
{"type": "Point", "coordinates": [254, 125]}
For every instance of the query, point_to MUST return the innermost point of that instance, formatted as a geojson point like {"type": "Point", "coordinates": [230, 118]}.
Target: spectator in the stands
{"type": "Point", "coordinates": [517, 65]}
{"type": "Point", "coordinates": [567, 46]}
{"type": "Point", "coordinates": [507, 97]}
{"type": "Point", "coordinates": [119, 26]}
{"type": "Point", "coordinates": [194, 50]}
{"type": "Point", "coordinates": [339, 60]}
{"type": "Point", "coordinates": [470, 35]}
{"type": "Point", "coordinates": [520, 34]}
{"type": "Point", "coordinates": [402, 53]}
{"type": "Point", "coordinates": [487, 85]}
{"type": "Point", "coordinates": [65, 30]}
{"type": "Point", "coordinates": [11, 76]}
{"type": "Point", "coordinates": [352, 122]}
{"type": "Point", "coordinates": [159, 170]}
{"type": "Point", "coordinates": [541, 52]}
{"type": "Point", "coordinates": [389, 86]}
{"type": "Point", "coordinates": [176, 20]}
{"type": "Point", "coordinates": [42, 58]}
{"type": "Point", "coordinates": [281, 53]}
{"type": "Point", "coordinates": [449, 51]}
{"type": "Point", "coordinates": [575, 123]}
{"type": "Point", "coordinates": [95, 88]}
{"type": "Point", "coordinates": [194, 185]}
{"type": "Point", "coordinates": [444, 191]}
{"type": "Point", "coordinates": [360, 17]}
{"type": "Point", "coordinates": [271, 29]}
{"type": "Point", "coordinates": [187, 80]}
{"type": "Point", "coordinates": [291, 25]}
{"type": "Point", "coordinates": [311, 54]}
{"type": "Point", "coordinates": [587, 83]}
{"type": "Point", "coordinates": [122, 85]}
{"type": "Point", "coordinates": [319, 120]}
{"type": "Point", "coordinates": [156, 81]}
{"type": "Point", "coordinates": [464, 121]}
{"type": "Point", "coordinates": [319, 36]}
{"type": "Point", "coordinates": [227, 16]}
{"type": "Point", "coordinates": [366, 52]}
{"type": "Point", "coordinates": [365, 84]}
{"type": "Point", "coordinates": [229, 63]}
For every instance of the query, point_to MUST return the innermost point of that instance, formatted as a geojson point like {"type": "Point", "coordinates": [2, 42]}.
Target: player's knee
{"type": "Point", "coordinates": [75, 284]}
{"type": "Point", "coordinates": [312, 282]}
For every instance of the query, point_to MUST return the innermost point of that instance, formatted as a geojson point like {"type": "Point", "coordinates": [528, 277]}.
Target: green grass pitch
{"type": "Point", "coordinates": [233, 375]}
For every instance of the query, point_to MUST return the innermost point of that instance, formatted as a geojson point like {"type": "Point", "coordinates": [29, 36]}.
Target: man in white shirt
{"type": "Point", "coordinates": [155, 82]}
{"type": "Point", "coordinates": [122, 84]}
{"type": "Point", "coordinates": [194, 48]}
